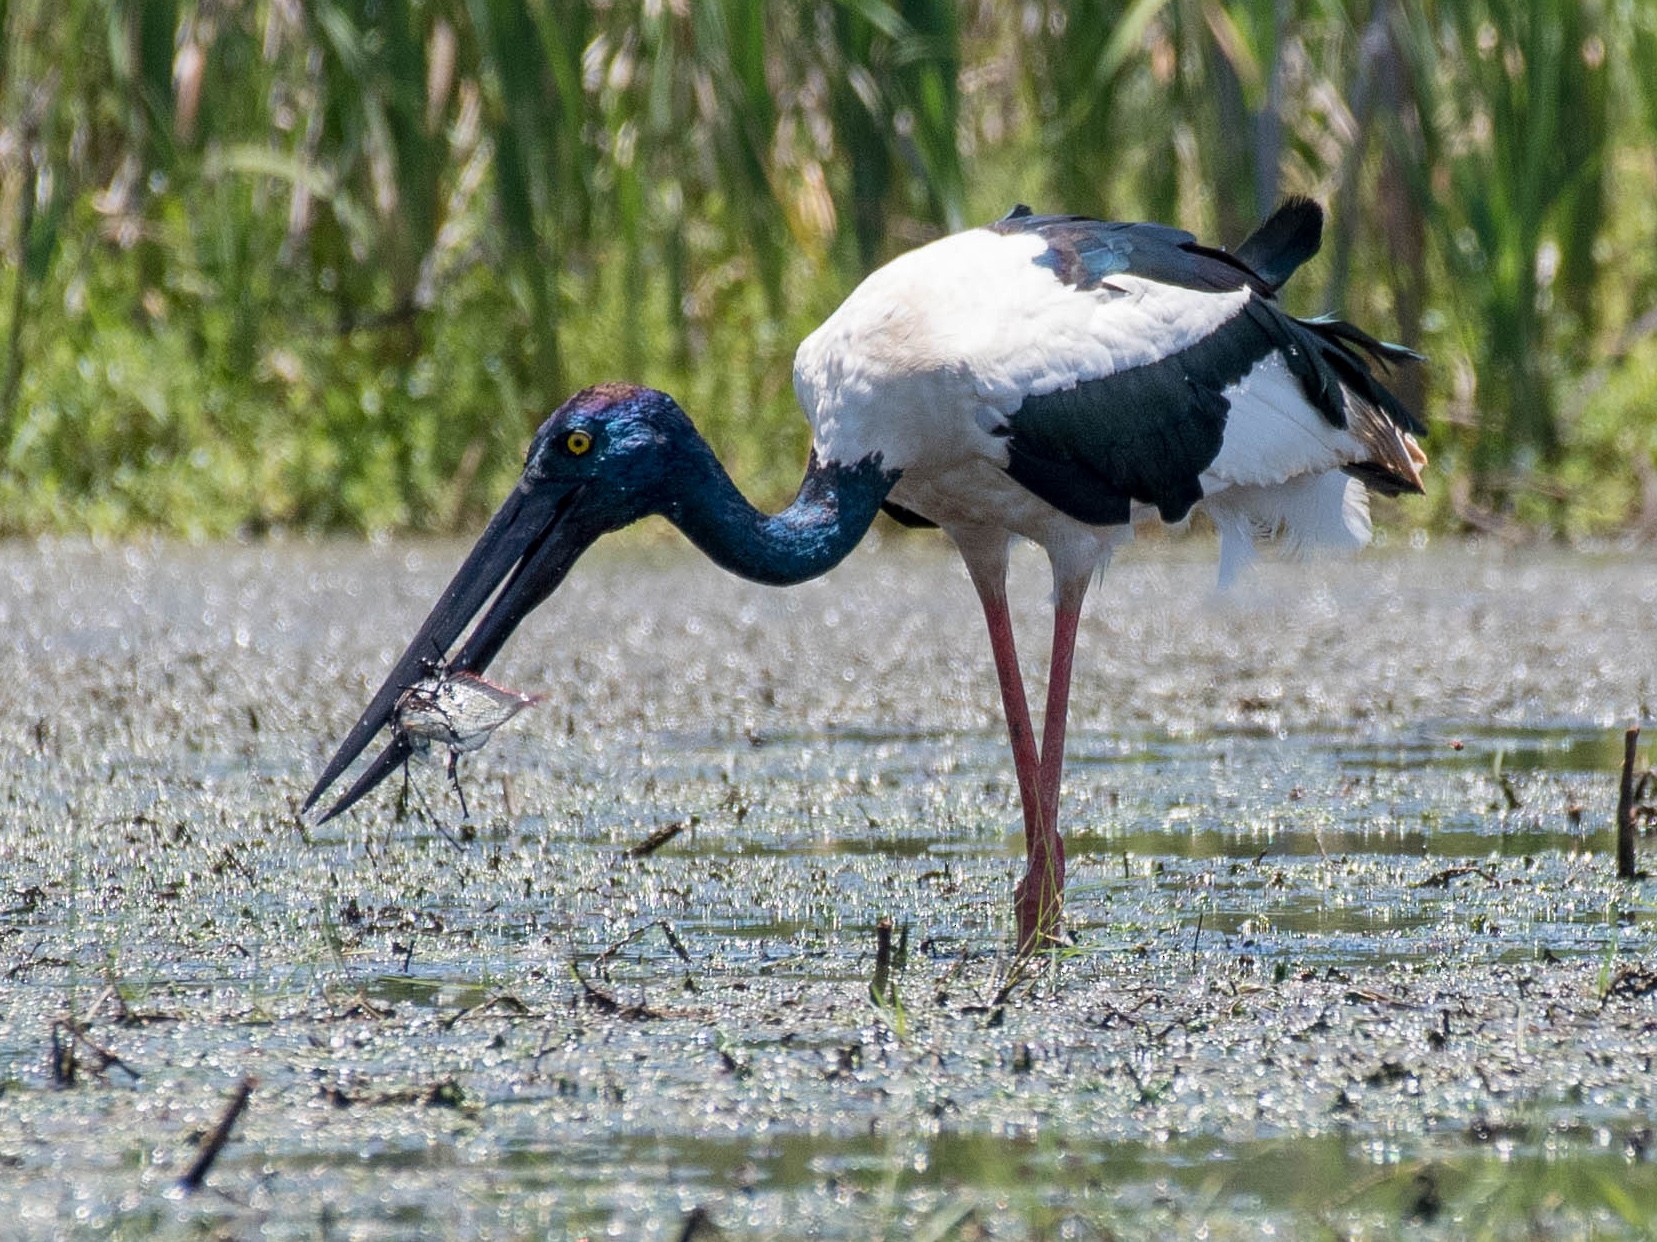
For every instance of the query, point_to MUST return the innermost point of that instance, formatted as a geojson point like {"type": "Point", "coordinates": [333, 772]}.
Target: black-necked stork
{"type": "Point", "coordinates": [1052, 377]}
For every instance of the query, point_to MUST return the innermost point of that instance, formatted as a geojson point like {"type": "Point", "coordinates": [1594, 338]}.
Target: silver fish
{"type": "Point", "coordinates": [456, 710]}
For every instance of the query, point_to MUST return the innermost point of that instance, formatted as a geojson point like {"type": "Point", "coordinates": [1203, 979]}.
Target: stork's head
{"type": "Point", "coordinates": [604, 459]}
{"type": "Point", "coordinates": [614, 442]}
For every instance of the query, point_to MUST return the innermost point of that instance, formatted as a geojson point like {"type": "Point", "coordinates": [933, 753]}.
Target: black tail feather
{"type": "Point", "coordinates": [1290, 236]}
{"type": "Point", "coordinates": [1382, 351]}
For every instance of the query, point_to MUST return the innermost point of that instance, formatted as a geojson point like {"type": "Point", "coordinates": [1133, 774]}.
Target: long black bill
{"type": "Point", "coordinates": [527, 548]}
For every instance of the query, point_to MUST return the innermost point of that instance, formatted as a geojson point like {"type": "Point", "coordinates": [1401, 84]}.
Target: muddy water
{"type": "Point", "coordinates": [1350, 955]}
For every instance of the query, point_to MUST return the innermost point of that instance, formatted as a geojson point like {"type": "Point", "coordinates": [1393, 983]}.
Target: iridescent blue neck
{"type": "Point", "coordinates": [835, 506]}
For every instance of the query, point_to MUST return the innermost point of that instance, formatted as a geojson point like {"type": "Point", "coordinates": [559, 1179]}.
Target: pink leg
{"type": "Point", "coordinates": [1066, 616]}
{"type": "Point", "coordinates": [1025, 760]}
{"type": "Point", "coordinates": [1038, 901]}
{"type": "Point", "coordinates": [1041, 893]}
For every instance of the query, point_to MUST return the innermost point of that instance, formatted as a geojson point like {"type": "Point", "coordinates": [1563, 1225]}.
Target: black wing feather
{"type": "Point", "coordinates": [1142, 435]}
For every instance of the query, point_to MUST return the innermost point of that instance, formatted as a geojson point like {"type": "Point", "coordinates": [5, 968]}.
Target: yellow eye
{"type": "Point", "coordinates": [578, 442]}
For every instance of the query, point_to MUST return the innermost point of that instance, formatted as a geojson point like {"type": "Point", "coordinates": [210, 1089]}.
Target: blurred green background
{"type": "Point", "coordinates": [272, 264]}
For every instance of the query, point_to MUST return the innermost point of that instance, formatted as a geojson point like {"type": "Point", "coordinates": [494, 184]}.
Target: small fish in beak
{"type": "Point", "coordinates": [456, 710]}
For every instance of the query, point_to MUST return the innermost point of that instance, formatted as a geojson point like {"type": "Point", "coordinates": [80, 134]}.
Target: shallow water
{"type": "Point", "coordinates": [1350, 953]}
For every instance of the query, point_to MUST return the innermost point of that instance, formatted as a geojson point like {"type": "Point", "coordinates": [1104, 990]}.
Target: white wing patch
{"type": "Point", "coordinates": [931, 353]}
{"type": "Point", "coordinates": [1277, 474]}
{"type": "Point", "coordinates": [1274, 433]}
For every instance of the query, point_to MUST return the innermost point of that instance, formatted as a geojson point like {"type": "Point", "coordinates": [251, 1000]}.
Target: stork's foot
{"type": "Point", "coordinates": [1038, 900]}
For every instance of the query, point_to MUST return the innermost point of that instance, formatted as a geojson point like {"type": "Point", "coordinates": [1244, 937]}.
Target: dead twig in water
{"type": "Point", "coordinates": [360, 1006]}
{"type": "Point", "coordinates": [605, 1003]}
{"type": "Point", "coordinates": [890, 960]}
{"type": "Point", "coordinates": [1626, 869]}
{"type": "Point", "coordinates": [881, 984]}
{"type": "Point", "coordinates": [698, 1225]}
{"type": "Point", "coordinates": [63, 1059]}
{"type": "Point", "coordinates": [501, 1000]}
{"type": "Point", "coordinates": [64, 1062]}
{"type": "Point", "coordinates": [1441, 879]}
{"type": "Point", "coordinates": [1633, 982]}
{"type": "Point", "coordinates": [659, 838]}
{"type": "Point", "coordinates": [124, 1014]}
{"type": "Point", "coordinates": [1023, 971]}
{"type": "Point", "coordinates": [217, 1137]}
{"type": "Point", "coordinates": [673, 941]}
{"type": "Point", "coordinates": [33, 961]}
{"type": "Point", "coordinates": [1369, 996]}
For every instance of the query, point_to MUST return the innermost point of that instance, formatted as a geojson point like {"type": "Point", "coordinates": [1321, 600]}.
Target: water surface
{"type": "Point", "coordinates": [1349, 951]}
